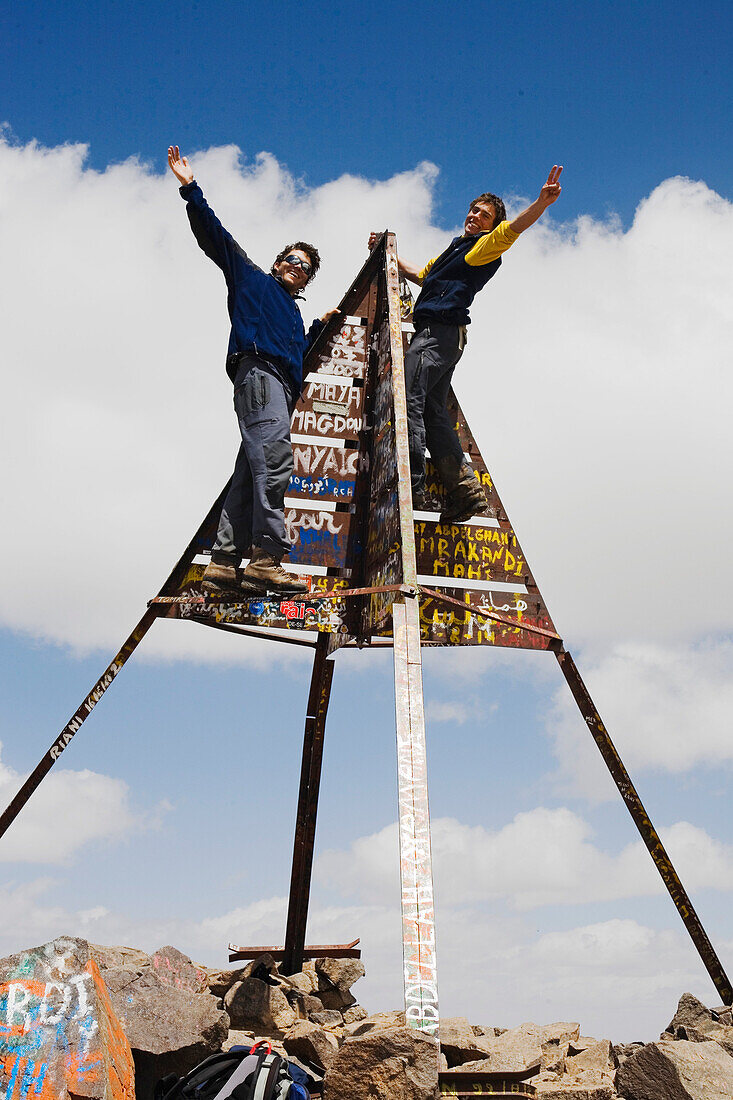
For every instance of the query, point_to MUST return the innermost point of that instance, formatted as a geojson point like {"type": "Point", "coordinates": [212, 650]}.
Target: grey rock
{"type": "Point", "coordinates": [385, 1064]}
{"type": "Point", "coordinates": [333, 997]}
{"type": "Point", "coordinates": [114, 957]}
{"type": "Point", "coordinates": [521, 1048]}
{"type": "Point", "coordinates": [479, 1065]}
{"type": "Point", "coordinates": [676, 1070]}
{"type": "Point", "coordinates": [220, 981]}
{"type": "Point", "coordinates": [311, 1043]}
{"type": "Point", "coordinates": [354, 1014]}
{"type": "Point", "coordinates": [596, 1056]}
{"type": "Point", "coordinates": [622, 1051]}
{"type": "Point", "coordinates": [690, 1013]}
{"type": "Point", "coordinates": [696, 1023]}
{"type": "Point", "coordinates": [576, 1046]}
{"type": "Point", "coordinates": [724, 1014]}
{"type": "Point", "coordinates": [265, 960]}
{"type": "Point", "coordinates": [258, 1006]}
{"type": "Point", "coordinates": [327, 1018]}
{"type": "Point", "coordinates": [459, 1043]}
{"type": "Point", "coordinates": [586, 1086]}
{"type": "Point", "coordinates": [304, 983]}
{"type": "Point", "coordinates": [61, 1036]}
{"type": "Point", "coordinates": [176, 969]}
{"type": "Point", "coordinates": [553, 1056]}
{"type": "Point", "coordinates": [170, 1025]}
{"type": "Point", "coordinates": [379, 1021]}
{"type": "Point", "coordinates": [238, 1039]}
{"type": "Point", "coordinates": [309, 1003]}
{"type": "Point", "coordinates": [341, 973]}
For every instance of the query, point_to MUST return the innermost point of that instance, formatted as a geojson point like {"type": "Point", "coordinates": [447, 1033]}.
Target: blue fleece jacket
{"type": "Point", "coordinates": [265, 319]}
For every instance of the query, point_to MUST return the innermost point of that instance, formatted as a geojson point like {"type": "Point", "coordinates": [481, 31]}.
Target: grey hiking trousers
{"type": "Point", "coordinates": [254, 511]}
{"type": "Point", "coordinates": [429, 364]}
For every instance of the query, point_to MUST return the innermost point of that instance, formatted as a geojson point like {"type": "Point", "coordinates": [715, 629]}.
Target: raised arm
{"type": "Point", "coordinates": [212, 237]}
{"type": "Point", "coordinates": [549, 194]}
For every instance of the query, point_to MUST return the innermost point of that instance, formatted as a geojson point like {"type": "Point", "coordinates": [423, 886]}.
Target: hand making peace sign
{"type": "Point", "coordinates": [551, 191]}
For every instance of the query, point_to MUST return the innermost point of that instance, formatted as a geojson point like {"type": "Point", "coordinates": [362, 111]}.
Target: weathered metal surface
{"type": "Point", "coordinates": [479, 564]}
{"type": "Point", "coordinates": [324, 472]}
{"type": "Point", "coordinates": [305, 821]}
{"type": "Point", "coordinates": [416, 876]}
{"type": "Point", "coordinates": [493, 616]}
{"type": "Point", "coordinates": [394, 303]}
{"type": "Point", "coordinates": [416, 868]}
{"type": "Point", "coordinates": [384, 563]}
{"type": "Point", "coordinates": [315, 951]}
{"type": "Point", "coordinates": [648, 833]}
{"type": "Point", "coordinates": [469, 1083]}
{"type": "Point", "coordinates": [328, 616]}
{"type": "Point", "coordinates": [319, 537]}
{"type": "Point", "coordinates": [473, 551]}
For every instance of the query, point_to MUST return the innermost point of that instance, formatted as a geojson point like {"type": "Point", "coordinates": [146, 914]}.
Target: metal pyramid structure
{"type": "Point", "coordinates": [381, 576]}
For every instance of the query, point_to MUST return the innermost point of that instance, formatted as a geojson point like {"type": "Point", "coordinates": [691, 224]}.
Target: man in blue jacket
{"type": "Point", "coordinates": [265, 363]}
{"type": "Point", "coordinates": [449, 284]}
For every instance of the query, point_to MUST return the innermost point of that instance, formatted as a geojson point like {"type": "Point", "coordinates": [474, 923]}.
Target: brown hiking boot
{"type": "Point", "coordinates": [265, 574]}
{"type": "Point", "coordinates": [464, 495]}
{"type": "Point", "coordinates": [220, 576]}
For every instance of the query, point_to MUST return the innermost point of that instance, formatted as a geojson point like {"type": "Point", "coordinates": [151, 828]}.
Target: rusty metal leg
{"type": "Point", "coordinates": [416, 870]}
{"type": "Point", "coordinates": [647, 831]}
{"type": "Point", "coordinates": [305, 822]}
{"type": "Point", "coordinates": [84, 710]}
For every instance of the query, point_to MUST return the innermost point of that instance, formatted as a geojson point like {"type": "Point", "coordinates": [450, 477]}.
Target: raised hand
{"type": "Point", "coordinates": [551, 191]}
{"type": "Point", "coordinates": [179, 166]}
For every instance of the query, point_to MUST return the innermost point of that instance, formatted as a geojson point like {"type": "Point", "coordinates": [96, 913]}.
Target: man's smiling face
{"type": "Point", "coordinates": [480, 219]}
{"type": "Point", "coordinates": [291, 272]}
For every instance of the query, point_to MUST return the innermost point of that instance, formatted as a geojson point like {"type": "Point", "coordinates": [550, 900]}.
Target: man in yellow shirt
{"type": "Point", "coordinates": [449, 284]}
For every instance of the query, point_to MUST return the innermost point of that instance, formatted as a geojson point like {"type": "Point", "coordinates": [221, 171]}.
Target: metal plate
{"type": "Point", "coordinates": [270, 613]}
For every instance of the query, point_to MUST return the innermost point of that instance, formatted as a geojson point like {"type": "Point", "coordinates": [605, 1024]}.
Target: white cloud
{"type": "Point", "coordinates": [667, 709]}
{"type": "Point", "coordinates": [456, 713]}
{"type": "Point", "coordinates": [619, 978]}
{"type": "Point", "coordinates": [543, 857]}
{"type": "Point", "coordinates": [596, 378]}
{"type": "Point", "coordinates": [69, 811]}
{"type": "Point", "coordinates": [114, 334]}
{"type": "Point", "coordinates": [601, 367]}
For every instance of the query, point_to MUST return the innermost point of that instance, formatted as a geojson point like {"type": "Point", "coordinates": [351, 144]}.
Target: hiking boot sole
{"type": "Point", "coordinates": [460, 515]}
{"type": "Point", "coordinates": [251, 587]}
{"type": "Point", "coordinates": [217, 588]}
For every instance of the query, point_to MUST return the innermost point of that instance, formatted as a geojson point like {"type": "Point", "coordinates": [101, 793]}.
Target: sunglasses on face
{"type": "Point", "coordinates": [295, 261]}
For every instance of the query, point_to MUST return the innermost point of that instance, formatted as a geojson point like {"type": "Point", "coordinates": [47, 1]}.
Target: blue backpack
{"type": "Point", "coordinates": [243, 1073]}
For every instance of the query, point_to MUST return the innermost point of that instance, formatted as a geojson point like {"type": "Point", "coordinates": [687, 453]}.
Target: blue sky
{"type": "Point", "coordinates": [606, 341]}
{"type": "Point", "coordinates": [623, 95]}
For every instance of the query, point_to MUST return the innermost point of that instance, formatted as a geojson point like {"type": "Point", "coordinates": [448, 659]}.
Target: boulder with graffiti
{"type": "Point", "coordinates": [59, 1034]}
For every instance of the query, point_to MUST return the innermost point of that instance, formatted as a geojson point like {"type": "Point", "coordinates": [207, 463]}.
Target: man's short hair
{"type": "Point", "coordinates": [300, 246]}
{"type": "Point", "coordinates": [496, 202]}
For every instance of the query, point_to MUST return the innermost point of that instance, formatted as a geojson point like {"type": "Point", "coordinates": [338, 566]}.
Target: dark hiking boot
{"type": "Point", "coordinates": [265, 574]}
{"type": "Point", "coordinates": [464, 495]}
{"type": "Point", "coordinates": [221, 575]}
{"type": "Point", "coordinates": [420, 501]}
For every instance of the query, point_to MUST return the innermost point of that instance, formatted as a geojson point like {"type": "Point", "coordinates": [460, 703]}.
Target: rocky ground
{"type": "Point", "coordinates": [82, 1004]}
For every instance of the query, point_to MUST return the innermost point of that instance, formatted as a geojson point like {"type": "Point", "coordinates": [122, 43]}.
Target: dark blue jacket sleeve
{"type": "Point", "coordinates": [218, 244]}
{"type": "Point", "coordinates": [313, 333]}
